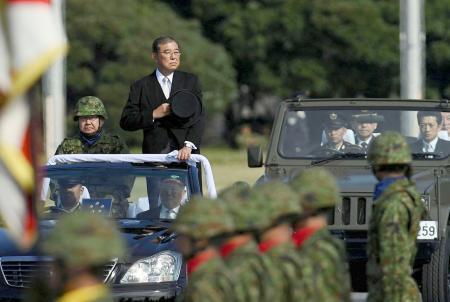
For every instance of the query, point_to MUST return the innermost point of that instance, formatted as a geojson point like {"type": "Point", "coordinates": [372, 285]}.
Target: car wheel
{"type": "Point", "coordinates": [436, 274]}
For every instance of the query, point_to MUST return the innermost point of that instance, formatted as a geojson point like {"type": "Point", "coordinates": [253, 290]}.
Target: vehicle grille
{"type": "Point", "coordinates": [19, 271]}
{"type": "Point", "coordinates": [351, 211]}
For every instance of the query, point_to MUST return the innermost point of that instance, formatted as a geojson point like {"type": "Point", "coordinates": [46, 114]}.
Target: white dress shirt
{"type": "Point", "coordinates": [166, 88]}
{"type": "Point", "coordinates": [429, 147]}
{"type": "Point", "coordinates": [168, 213]}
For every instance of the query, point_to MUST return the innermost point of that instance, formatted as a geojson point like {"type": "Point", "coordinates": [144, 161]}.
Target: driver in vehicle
{"type": "Point", "coordinates": [365, 123]}
{"type": "Point", "coordinates": [171, 196]}
{"type": "Point", "coordinates": [430, 123]}
{"type": "Point", "coordinates": [71, 192]}
{"type": "Point", "coordinates": [335, 129]}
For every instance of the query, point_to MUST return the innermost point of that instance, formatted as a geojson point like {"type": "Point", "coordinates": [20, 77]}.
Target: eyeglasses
{"type": "Point", "coordinates": [175, 53]}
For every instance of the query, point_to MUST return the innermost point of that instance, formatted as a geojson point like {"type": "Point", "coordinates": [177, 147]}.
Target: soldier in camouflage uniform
{"type": "Point", "coordinates": [200, 225]}
{"type": "Point", "coordinates": [394, 223]}
{"type": "Point", "coordinates": [277, 209]}
{"type": "Point", "coordinates": [81, 245]}
{"type": "Point", "coordinates": [240, 252]}
{"type": "Point", "coordinates": [318, 192]}
{"type": "Point", "coordinates": [90, 113]}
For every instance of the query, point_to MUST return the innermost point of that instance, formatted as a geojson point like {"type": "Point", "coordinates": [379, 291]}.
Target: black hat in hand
{"type": "Point", "coordinates": [186, 109]}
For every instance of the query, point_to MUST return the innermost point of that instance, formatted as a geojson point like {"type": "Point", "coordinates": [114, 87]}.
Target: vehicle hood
{"type": "Point", "coordinates": [142, 239]}
{"type": "Point", "coordinates": [363, 181]}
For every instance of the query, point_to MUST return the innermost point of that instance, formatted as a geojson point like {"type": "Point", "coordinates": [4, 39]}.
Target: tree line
{"type": "Point", "coordinates": [344, 48]}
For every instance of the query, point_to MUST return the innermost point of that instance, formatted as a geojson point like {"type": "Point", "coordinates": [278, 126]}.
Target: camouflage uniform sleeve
{"type": "Point", "coordinates": [60, 149]}
{"type": "Point", "coordinates": [394, 248]}
{"type": "Point", "coordinates": [121, 145]}
{"type": "Point", "coordinates": [70, 146]}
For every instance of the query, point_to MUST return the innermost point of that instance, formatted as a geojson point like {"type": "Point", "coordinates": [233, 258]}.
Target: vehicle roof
{"type": "Point", "coordinates": [443, 105]}
{"type": "Point", "coordinates": [170, 158]}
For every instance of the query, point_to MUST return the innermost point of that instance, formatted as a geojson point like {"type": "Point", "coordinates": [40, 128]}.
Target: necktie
{"type": "Point", "coordinates": [364, 146]}
{"type": "Point", "coordinates": [428, 148]}
{"type": "Point", "coordinates": [166, 87]}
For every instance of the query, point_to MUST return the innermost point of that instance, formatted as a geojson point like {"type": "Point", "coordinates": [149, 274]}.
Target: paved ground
{"type": "Point", "coordinates": [359, 297]}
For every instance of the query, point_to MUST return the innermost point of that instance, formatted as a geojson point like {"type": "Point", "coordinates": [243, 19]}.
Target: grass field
{"type": "Point", "coordinates": [230, 165]}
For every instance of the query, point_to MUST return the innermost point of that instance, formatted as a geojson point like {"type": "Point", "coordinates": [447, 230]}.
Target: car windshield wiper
{"type": "Point", "coordinates": [336, 157]}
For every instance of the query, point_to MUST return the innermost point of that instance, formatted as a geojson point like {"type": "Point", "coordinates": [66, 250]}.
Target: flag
{"type": "Point", "coordinates": [34, 41]}
{"type": "Point", "coordinates": [37, 39]}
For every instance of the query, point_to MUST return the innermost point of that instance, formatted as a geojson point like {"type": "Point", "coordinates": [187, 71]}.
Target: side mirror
{"type": "Point", "coordinates": [254, 157]}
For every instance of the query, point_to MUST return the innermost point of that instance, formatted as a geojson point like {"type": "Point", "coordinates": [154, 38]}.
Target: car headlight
{"type": "Point", "coordinates": [162, 267]}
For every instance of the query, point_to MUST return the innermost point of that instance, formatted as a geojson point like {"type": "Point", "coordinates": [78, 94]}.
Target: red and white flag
{"type": "Point", "coordinates": [35, 39]}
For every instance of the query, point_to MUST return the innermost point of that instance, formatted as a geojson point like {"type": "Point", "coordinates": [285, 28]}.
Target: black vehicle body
{"type": "Point", "coordinates": [350, 217]}
{"type": "Point", "coordinates": [145, 238]}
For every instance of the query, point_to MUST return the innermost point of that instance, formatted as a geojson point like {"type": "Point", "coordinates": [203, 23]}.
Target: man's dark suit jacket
{"type": "Point", "coordinates": [145, 96]}
{"type": "Point", "coordinates": [442, 147]}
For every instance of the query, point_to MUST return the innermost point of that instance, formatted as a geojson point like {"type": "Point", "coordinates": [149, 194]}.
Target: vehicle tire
{"type": "Point", "coordinates": [436, 274]}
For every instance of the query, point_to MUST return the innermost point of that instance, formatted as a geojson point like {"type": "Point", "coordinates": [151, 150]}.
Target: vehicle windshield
{"type": "Point", "coordinates": [348, 133]}
{"type": "Point", "coordinates": [120, 191]}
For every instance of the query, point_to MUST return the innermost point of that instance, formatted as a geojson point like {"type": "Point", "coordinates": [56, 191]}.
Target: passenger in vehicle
{"type": "Point", "coordinates": [69, 197]}
{"type": "Point", "coordinates": [365, 123]}
{"type": "Point", "coordinates": [445, 132]}
{"type": "Point", "coordinates": [335, 130]}
{"type": "Point", "coordinates": [172, 195]}
{"type": "Point", "coordinates": [90, 115]}
{"type": "Point", "coordinates": [430, 123]}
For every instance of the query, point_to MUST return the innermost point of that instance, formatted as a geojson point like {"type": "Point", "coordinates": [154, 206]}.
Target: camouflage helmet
{"type": "Point", "coordinates": [316, 188]}
{"type": "Point", "coordinates": [89, 105]}
{"type": "Point", "coordinates": [272, 201]}
{"type": "Point", "coordinates": [390, 148]}
{"type": "Point", "coordinates": [202, 218]}
{"type": "Point", "coordinates": [238, 189]}
{"type": "Point", "coordinates": [243, 211]}
{"type": "Point", "coordinates": [84, 239]}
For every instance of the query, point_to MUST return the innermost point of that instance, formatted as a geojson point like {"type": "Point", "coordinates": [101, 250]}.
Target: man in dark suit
{"type": "Point", "coordinates": [430, 123]}
{"type": "Point", "coordinates": [171, 196]}
{"type": "Point", "coordinates": [148, 108]}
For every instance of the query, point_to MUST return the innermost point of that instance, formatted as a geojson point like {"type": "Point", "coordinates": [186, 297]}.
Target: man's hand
{"type": "Point", "coordinates": [162, 111]}
{"type": "Point", "coordinates": [184, 153]}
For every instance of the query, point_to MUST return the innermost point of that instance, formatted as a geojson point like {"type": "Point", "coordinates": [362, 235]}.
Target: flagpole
{"type": "Point", "coordinates": [54, 91]}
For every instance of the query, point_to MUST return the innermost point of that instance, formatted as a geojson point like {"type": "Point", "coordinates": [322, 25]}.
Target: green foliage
{"type": "Point", "coordinates": [342, 48]}
{"type": "Point", "coordinates": [111, 42]}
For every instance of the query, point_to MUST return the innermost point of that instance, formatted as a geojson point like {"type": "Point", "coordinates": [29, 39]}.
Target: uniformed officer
{"type": "Point", "coordinates": [69, 198]}
{"type": "Point", "coordinates": [200, 226]}
{"type": "Point", "coordinates": [394, 223]}
{"type": "Point", "coordinates": [365, 123]}
{"type": "Point", "coordinates": [81, 245]}
{"type": "Point", "coordinates": [335, 129]}
{"type": "Point", "coordinates": [318, 192]}
{"type": "Point", "coordinates": [90, 113]}
{"type": "Point", "coordinates": [277, 210]}
{"type": "Point", "coordinates": [239, 250]}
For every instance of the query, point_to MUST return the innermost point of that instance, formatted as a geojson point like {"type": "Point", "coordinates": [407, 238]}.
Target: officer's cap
{"type": "Point", "coordinates": [367, 116]}
{"type": "Point", "coordinates": [334, 120]}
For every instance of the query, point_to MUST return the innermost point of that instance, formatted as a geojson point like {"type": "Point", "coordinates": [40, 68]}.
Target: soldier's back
{"type": "Point", "coordinates": [211, 282]}
{"type": "Point", "coordinates": [250, 272]}
{"type": "Point", "coordinates": [331, 274]}
{"type": "Point", "coordinates": [392, 243]}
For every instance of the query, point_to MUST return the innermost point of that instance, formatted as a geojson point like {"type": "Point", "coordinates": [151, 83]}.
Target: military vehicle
{"type": "Point", "coordinates": [324, 132]}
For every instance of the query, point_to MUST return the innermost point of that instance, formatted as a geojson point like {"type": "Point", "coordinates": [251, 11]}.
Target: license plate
{"type": "Point", "coordinates": [428, 230]}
